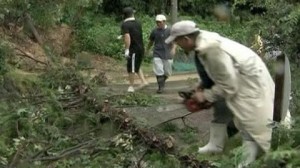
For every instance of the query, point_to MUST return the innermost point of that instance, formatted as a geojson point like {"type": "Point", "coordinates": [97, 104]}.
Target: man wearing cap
{"type": "Point", "coordinates": [162, 53]}
{"type": "Point", "coordinates": [131, 30]}
{"type": "Point", "coordinates": [241, 78]}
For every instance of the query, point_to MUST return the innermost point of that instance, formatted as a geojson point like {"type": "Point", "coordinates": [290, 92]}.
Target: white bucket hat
{"type": "Point", "coordinates": [181, 28]}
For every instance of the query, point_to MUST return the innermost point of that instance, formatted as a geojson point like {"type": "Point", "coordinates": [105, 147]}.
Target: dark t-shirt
{"type": "Point", "coordinates": [161, 49]}
{"type": "Point", "coordinates": [135, 31]}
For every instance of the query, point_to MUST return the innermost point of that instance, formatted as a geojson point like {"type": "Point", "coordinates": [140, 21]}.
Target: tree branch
{"type": "Point", "coordinates": [15, 158]}
{"type": "Point", "coordinates": [35, 33]}
{"type": "Point", "coordinates": [176, 118]}
{"type": "Point", "coordinates": [68, 151]}
{"type": "Point", "coordinates": [30, 56]}
{"type": "Point", "coordinates": [139, 162]}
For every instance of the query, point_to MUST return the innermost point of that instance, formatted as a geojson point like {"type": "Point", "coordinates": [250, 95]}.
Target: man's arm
{"type": "Point", "coordinates": [173, 49]}
{"type": "Point", "coordinates": [222, 70]}
{"type": "Point", "coordinates": [205, 81]}
{"type": "Point", "coordinates": [127, 40]}
{"type": "Point", "coordinates": [172, 46]}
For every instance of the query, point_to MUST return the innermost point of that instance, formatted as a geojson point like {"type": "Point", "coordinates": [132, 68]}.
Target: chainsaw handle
{"type": "Point", "coordinates": [183, 94]}
{"type": "Point", "coordinates": [186, 94]}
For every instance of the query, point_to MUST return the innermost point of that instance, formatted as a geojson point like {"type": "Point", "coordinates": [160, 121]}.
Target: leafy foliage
{"type": "Point", "coordinates": [5, 53]}
{"type": "Point", "coordinates": [233, 31]}
{"type": "Point", "coordinates": [203, 8]}
{"type": "Point", "coordinates": [47, 13]}
{"type": "Point", "coordinates": [189, 135]}
{"type": "Point", "coordinates": [283, 158]}
{"type": "Point", "coordinates": [283, 21]}
{"type": "Point", "coordinates": [142, 6]}
{"type": "Point", "coordinates": [32, 124]}
{"type": "Point", "coordinates": [56, 78]}
{"type": "Point", "coordinates": [99, 36]}
{"type": "Point", "coordinates": [168, 161]}
{"type": "Point", "coordinates": [134, 99]}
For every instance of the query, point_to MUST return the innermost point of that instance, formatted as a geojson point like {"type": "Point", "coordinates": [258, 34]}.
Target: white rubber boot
{"type": "Point", "coordinates": [250, 153]}
{"type": "Point", "coordinates": [218, 136]}
{"type": "Point", "coordinates": [287, 121]}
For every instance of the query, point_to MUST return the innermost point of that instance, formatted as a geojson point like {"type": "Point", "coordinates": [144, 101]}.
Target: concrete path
{"type": "Point", "coordinates": [153, 116]}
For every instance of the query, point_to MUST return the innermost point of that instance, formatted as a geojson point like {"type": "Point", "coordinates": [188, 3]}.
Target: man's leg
{"type": "Point", "coordinates": [250, 150]}
{"type": "Point", "coordinates": [167, 68]}
{"type": "Point", "coordinates": [131, 72]}
{"type": "Point", "coordinates": [161, 84]}
{"type": "Point", "coordinates": [217, 138]}
{"type": "Point", "coordinates": [222, 114]}
{"type": "Point", "coordinates": [158, 69]}
{"type": "Point", "coordinates": [219, 128]}
{"type": "Point", "coordinates": [142, 77]}
{"type": "Point", "coordinates": [131, 82]}
{"type": "Point", "coordinates": [138, 69]}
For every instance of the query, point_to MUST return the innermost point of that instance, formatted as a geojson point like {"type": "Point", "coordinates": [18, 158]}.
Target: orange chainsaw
{"type": "Point", "coordinates": [191, 104]}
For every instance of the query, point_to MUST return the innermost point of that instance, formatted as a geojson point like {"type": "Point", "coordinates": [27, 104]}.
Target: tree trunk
{"type": "Point", "coordinates": [174, 11]}
{"type": "Point", "coordinates": [35, 33]}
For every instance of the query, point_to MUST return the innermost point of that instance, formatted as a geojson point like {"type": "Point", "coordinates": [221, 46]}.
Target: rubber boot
{"type": "Point", "coordinates": [218, 136]}
{"type": "Point", "coordinates": [161, 84]}
{"type": "Point", "coordinates": [250, 153]}
{"type": "Point", "coordinates": [165, 77]}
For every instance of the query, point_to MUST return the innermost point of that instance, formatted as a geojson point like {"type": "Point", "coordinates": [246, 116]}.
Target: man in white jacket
{"type": "Point", "coordinates": [241, 78]}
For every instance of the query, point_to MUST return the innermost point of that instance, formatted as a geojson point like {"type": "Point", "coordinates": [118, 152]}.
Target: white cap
{"type": "Point", "coordinates": [160, 18]}
{"type": "Point", "coordinates": [181, 28]}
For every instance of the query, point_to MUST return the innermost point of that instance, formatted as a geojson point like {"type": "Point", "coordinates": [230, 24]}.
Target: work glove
{"type": "Point", "coordinates": [119, 37]}
{"type": "Point", "coordinates": [126, 54]}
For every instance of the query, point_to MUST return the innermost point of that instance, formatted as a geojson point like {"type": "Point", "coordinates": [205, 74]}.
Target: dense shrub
{"type": "Point", "coordinates": [100, 34]}
{"type": "Point", "coordinates": [5, 52]}
{"type": "Point", "coordinates": [100, 37]}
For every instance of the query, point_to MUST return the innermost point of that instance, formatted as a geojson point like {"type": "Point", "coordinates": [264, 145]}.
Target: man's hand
{"type": "Point", "coordinates": [192, 104]}
{"type": "Point", "coordinates": [120, 37]}
{"type": "Point", "coordinates": [172, 53]}
{"type": "Point", "coordinates": [126, 54]}
{"type": "Point", "coordinates": [199, 96]}
{"type": "Point", "coordinates": [173, 50]}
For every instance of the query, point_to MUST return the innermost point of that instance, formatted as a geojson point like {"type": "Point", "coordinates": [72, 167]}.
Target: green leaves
{"type": "Point", "coordinates": [283, 158]}
{"type": "Point", "coordinates": [134, 99]}
{"type": "Point", "coordinates": [5, 52]}
{"type": "Point", "coordinates": [99, 36]}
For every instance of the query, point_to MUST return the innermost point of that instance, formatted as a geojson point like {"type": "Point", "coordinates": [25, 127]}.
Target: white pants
{"type": "Point", "coordinates": [162, 67]}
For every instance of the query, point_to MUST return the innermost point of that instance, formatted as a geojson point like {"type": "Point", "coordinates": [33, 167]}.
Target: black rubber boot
{"type": "Point", "coordinates": [161, 84]}
{"type": "Point", "coordinates": [165, 77]}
